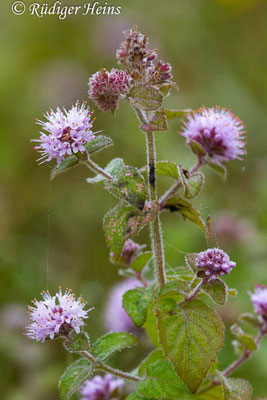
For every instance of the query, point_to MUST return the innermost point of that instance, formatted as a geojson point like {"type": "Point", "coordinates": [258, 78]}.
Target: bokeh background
{"type": "Point", "coordinates": [51, 233]}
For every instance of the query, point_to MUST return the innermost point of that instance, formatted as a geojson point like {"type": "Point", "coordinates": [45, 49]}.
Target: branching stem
{"type": "Point", "coordinates": [95, 168]}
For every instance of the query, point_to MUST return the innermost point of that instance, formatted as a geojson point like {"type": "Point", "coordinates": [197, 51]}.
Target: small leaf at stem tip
{"type": "Point", "coordinates": [172, 114]}
{"type": "Point", "coordinates": [191, 336]}
{"type": "Point", "coordinates": [186, 209]}
{"type": "Point", "coordinates": [141, 261]}
{"type": "Point", "coordinates": [245, 339]}
{"type": "Point", "coordinates": [219, 169]}
{"type": "Point", "coordinates": [251, 319]}
{"type": "Point", "coordinates": [74, 376]}
{"type": "Point", "coordinates": [232, 292]}
{"type": "Point", "coordinates": [121, 223]}
{"type": "Point", "coordinates": [112, 168]}
{"type": "Point", "coordinates": [197, 149]}
{"type": "Point", "coordinates": [163, 383]}
{"type": "Point", "coordinates": [112, 342]}
{"type": "Point", "coordinates": [128, 184]}
{"type": "Point", "coordinates": [66, 164]}
{"type": "Point", "coordinates": [166, 88]}
{"type": "Point", "coordinates": [217, 290]}
{"type": "Point", "coordinates": [167, 168]}
{"type": "Point", "coordinates": [79, 342]}
{"type": "Point", "coordinates": [237, 389]}
{"type": "Point", "coordinates": [154, 356]}
{"type": "Point", "coordinates": [147, 98]}
{"type": "Point", "coordinates": [157, 123]}
{"type": "Point", "coordinates": [193, 184]}
{"type": "Point", "coordinates": [136, 303]}
{"type": "Point", "coordinates": [101, 142]}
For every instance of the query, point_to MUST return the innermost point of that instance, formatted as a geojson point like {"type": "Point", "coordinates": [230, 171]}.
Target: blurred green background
{"type": "Point", "coordinates": [51, 234]}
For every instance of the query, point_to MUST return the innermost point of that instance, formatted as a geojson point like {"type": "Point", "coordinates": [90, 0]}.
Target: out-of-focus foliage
{"type": "Point", "coordinates": [51, 233]}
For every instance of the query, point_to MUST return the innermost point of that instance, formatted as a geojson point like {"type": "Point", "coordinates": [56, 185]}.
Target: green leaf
{"type": "Point", "coordinates": [232, 292]}
{"type": "Point", "coordinates": [101, 142]}
{"type": "Point", "coordinates": [79, 342]}
{"type": "Point", "coordinates": [121, 223]}
{"type": "Point", "coordinates": [172, 114]}
{"type": "Point", "coordinates": [141, 261]}
{"type": "Point", "coordinates": [112, 342]}
{"type": "Point", "coordinates": [215, 393]}
{"type": "Point", "coordinates": [176, 286]}
{"type": "Point", "coordinates": [237, 389]}
{"type": "Point", "coordinates": [217, 290]}
{"type": "Point", "coordinates": [73, 378]}
{"type": "Point", "coordinates": [167, 168]}
{"type": "Point", "coordinates": [151, 325]}
{"type": "Point", "coordinates": [147, 98]}
{"type": "Point", "coordinates": [112, 169]}
{"type": "Point", "coordinates": [245, 339]}
{"type": "Point", "coordinates": [219, 169]}
{"type": "Point", "coordinates": [128, 184]}
{"type": "Point", "coordinates": [184, 207]}
{"type": "Point", "coordinates": [191, 336]}
{"type": "Point", "coordinates": [193, 185]}
{"type": "Point", "coordinates": [66, 164]}
{"type": "Point", "coordinates": [251, 319]}
{"type": "Point", "coordinates": [135, 396]}
{"type": "Point", "coordinates": [190, 260]}
{"type": "Point", "coordinates": [136, 302]}
{"type": "Point", "coordinates": [154, 356]}
{"type": "Point", "coordinates": [166, 87]}
{"type": "Point", "coordinates": [157, 123]}
{"type": "Point", "coordinates": [163, 383]}
{"type": "Point", "coordinates": [197, 149]}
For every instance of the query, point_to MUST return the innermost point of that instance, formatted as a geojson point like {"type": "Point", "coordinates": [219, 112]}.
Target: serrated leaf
{"type": "Point", "coordinates": [163, 383]}
{"type": "Point", "coordinates": [215, 393]}
{"type": "Point", "coordinates": [186, 209]}
{"type": "Point", "coordinates": [237, 389]}
{"type": "Point", "coordinates": [136, 396]}
{"type": "Point", "coordinates": [245, 339]}
{"type": "Point", "coordinates": [191, 336]}
{"type": "Point", "coordinates": [73, 378]}
{"type": "Point", "coordinates": [141, 261]}
{"type": "Point", "coordinates": [112, 168]}
{"type": "Point", "coordinates": [101, 142]}
{"type": "Point", "coordinates": [167, 168]}
{"type": "Point", "coordinates": [219, 169]}
{"type": "Point", "coordinates": [121, 223]}
{"type": "Point", "coordinates": [176, 286]}
{"type": "Point", "coordinates": [217, 290]}
{"type": "Point", "coordinates": [128, 184]}
{"type": "Point", "coordinates": [250, 318]}
{"type": "Point", "coordinates": [172, 114]}
{"type": "Point", "coordinates": [193, 185]}
{"type": "Point", "coordinates": [157, 123]}
{"type": "Point", "coordinates": [154, 356]}
{"type": "Point", "coordinates": [66, 164]}
{"type": "Point", "coordinates": [79, 342]}
{"type": "Point", "coordinates": [112, 342]}
{"type": "Point", "coordinates": [136, 303]}
{"type": "Point", "coordinates": [147, 98]}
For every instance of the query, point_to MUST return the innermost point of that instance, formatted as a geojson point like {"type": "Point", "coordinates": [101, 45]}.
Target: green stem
{"type": "Point", "coordinates": [95, 168]}
{"type": "Point", "coordinates": [99, 365]}
{"type": "Point", "coordinates": [155, 226]}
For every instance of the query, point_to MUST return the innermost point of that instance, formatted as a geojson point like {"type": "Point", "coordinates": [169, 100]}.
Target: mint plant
{"type": "Point", "coordinates": [177, 309]}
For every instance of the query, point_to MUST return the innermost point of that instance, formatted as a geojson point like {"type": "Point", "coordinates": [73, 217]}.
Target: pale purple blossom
{"type": "Point", "coordinates": [116, 318]}
{"type": "Point", "coordinates": [106, 88]}
{"type": "Point", "coordinates": [161, 72]}
{"type": "Point", "coordinates": [101, 388]}
{"type": "Point", "coordinates": [259, 300]}
{"type": "Point", "coordinates": [214, 262]}
{"type": "Point", "coordinates": [218, 131]}
{"type": "Point", "coordinates": [67, 132]}
{"type": "Point", "coordinates": [56, 315]}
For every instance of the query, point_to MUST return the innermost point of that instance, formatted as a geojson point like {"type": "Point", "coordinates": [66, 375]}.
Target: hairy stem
{"type": "Point", "coordinates": [99, 365]}
{"type": "Point", "coordinates": [195, 292]}
{"type": "Point", "coordinates": [155, 226]}
{"type": "Point", "coordinates": [95, 168]}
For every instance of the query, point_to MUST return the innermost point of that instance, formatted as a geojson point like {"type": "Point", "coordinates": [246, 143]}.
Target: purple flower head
{"type": "Point", "coordinates": [116, 318]}
{"type": "Point", "coordinates": [101, 388]}
{"type": "Point", "coordinates": [259, 300]}
{"type": "Point", "coordinates": [67, 133]}
{"type": "Point", "coordinates": [56, 315]}
{"type": "Point", "coordinates": [161, 72]}
{"type": "Point", "coordinates": [214, 262]}
{"type": "Point", "coordinates": [129, 253]}
{"type": "Point", "coordinates": [106, 88]}
{"type": "Point", "coordinates": [218, 131]}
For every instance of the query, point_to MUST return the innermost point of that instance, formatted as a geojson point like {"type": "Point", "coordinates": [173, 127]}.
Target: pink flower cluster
{"type": "Point", "coordinates": [161, 72]}
{"type": "Point", "coordinates": [259, 300]}
{"type": "Point", "coordinates": [214, 262]}
{"type": "Point", "coordinates": [56, 315]}
{"type": "Point", "coordinates": [68, 132]}
{"type": "Point", "coordinates": [218, 131]}
{"type": "Point", "coordinates": [101, 388]}
{"type": "Point", "coordinates": [106, 88]}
